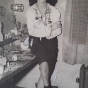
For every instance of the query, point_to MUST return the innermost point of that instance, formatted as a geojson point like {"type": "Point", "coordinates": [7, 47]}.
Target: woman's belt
{"type": "Point", "coordinates": [38, 38]}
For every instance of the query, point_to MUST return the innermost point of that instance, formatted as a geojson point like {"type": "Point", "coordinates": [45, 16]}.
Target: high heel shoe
{"type": "Point", "coordinates": [51, 87]}
{"type": "Point", "coordinates": [36, 85]}
{"type": "Point", "coordinates": [47, 87]}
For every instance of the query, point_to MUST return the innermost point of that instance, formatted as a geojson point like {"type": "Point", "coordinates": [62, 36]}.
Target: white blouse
{"type": "Point", "coordinates": [38, 25]}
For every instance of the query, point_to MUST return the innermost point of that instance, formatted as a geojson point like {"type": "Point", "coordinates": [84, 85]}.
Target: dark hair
{"type": "Point", "coordinates": [32, 2]}
{"type": "Point", "coordinates": [51, 2]}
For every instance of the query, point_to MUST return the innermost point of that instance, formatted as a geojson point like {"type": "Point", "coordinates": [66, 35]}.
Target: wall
{"type": "Point", "coordinates": [8, 25]}
{"type": "Point", "coordinates": [21, 15]}
{"type": "Point", "coordinates": [61, 6]}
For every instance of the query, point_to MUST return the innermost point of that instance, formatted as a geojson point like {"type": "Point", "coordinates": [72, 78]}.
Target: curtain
{"type": "Point", "coordinates": [75, 43]}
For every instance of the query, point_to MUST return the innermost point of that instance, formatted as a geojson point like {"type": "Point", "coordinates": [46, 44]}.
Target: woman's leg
{"type": "Point", "coordinates": [44, 78]}
{"type": "Point", "coordinates": [40, 83]}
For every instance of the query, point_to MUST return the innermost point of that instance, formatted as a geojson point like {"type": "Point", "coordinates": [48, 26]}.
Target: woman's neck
{"type": "Point", "coordinates": [42, 4]}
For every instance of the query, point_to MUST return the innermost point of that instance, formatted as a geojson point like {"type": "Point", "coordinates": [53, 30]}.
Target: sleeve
{"type": "Point", "coordinates": [57, 23]}
{"type": "Point", "coordinates": [57, 15]}
{"type": "Point", "coordinates": [42, 31]}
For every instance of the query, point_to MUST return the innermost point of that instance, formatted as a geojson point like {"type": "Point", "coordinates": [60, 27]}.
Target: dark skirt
{"type": "Point", "coordinates": [45, 50]}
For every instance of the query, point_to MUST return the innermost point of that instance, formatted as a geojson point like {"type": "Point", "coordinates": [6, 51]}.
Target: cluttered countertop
{"type": "Point", "coordinates": [15, 54]}
{"type": "Point", "coordinates": [16, 69]}
{"type": "Point", "coordinates": [15, 61]}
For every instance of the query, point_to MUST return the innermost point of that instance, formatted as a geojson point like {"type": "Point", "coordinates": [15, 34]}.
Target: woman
{"type": "Point", "coordinates": [44, 25]}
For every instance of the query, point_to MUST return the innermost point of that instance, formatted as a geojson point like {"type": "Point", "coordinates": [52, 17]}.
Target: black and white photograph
{"type": "Point", "coordinates": [43, 44]}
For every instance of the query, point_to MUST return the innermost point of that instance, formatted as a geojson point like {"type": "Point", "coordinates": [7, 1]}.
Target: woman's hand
{"type": "Point", "coordinates": [53, 27]}
{"type": "Point", "coordinates": [56, 25]}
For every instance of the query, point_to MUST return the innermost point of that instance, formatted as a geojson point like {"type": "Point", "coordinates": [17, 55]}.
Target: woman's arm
{"type": "Point", "coordinates": [57, 20]}
{"type": "Point", "coordinates": [56, 25]}
{"type": "Point", "coordinates": [41, 31]}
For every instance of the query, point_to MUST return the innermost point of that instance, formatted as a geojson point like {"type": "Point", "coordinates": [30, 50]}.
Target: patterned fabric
{"type": "Point", "coordinates": [39, 25]}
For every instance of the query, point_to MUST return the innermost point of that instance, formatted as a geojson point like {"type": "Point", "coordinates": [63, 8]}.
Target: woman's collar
{"type": "Point", "coordinates": [36, 8]}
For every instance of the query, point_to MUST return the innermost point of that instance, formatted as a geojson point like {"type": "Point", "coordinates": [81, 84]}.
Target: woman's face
{"type": "Point", "coordinates": [41, 1]}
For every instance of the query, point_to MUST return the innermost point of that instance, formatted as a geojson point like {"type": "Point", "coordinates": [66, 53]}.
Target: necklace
{"type": "Point", "coordinates": [45, 18]}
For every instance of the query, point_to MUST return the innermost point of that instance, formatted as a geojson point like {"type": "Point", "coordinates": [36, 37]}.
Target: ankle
{"type": "Point", "coordinates": [36, 85]}
{"type": "Point", "coordinates": [46, 86]}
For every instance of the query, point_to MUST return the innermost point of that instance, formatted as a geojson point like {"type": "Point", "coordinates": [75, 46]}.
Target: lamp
{"type": "Point", "coordinates": [17, 7]}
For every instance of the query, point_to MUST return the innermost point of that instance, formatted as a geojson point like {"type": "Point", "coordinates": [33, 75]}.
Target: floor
{"type": "Point", "coordinates": [64, 76]}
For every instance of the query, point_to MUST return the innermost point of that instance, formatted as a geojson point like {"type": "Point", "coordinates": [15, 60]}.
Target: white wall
{"type": "Point", "coordinates": [21, 15]}
{"type": "Point", "coordinates": [61, 5]}
{"type": "Point", "coordinates": [8, 25]}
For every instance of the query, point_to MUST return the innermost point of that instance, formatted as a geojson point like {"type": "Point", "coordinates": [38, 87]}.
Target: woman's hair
{"type": "Point", "coordinates": [51, 2]}
{"type": "Point", "coordinates": [32, 2]}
